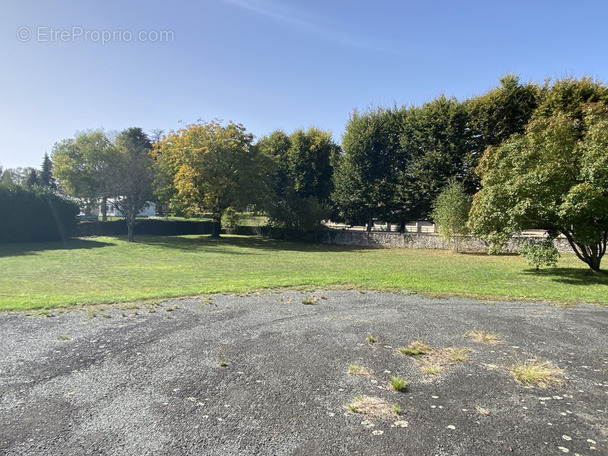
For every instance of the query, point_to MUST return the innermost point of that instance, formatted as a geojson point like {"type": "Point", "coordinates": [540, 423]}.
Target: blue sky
{"type": "Point", "coordinates": [268, 64]}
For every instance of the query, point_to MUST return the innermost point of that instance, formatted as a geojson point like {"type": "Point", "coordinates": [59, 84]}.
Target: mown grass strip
{"type": "Point", "coordinates": [109, 270]}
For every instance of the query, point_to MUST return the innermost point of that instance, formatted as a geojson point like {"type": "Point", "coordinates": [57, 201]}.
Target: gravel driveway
{"type": "Point", "coordinates": [269, 374]}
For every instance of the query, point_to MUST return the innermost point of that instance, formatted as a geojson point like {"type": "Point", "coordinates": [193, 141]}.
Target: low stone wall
{"type": "Point", "coordinates": [422, 241]}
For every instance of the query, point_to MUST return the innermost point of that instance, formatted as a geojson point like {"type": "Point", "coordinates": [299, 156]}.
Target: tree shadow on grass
{"type": "Point", "coordinates": [251, 243]}
{"type": "Point", "coordinates": [32, 248]}
{"type": "Point", "coordinates": [571, 276]}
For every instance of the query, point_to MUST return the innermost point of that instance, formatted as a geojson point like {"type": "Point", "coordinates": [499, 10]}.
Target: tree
{"type": "Point", "coordinates": [32, 178]}
{"type": "Point", "coordinates": [301, 171]}
{"type": "Point", "coordinates": [552, 177]}
{"type": "Point", "coordinates": [493, 117]}
{"type": "Point", "coordinates": [132, 175]}
{"type": "Point", "coordinates": [7, 179]}
{"type": "Point", "coordinates": [365, 179]}
{"type": "Point", "coordinates": [45, 175]}
{"type": "Point", "coordinates": [82, 167]}
{"type": "Point", "coordinates": [204, 168]}
{"type": "Point", "coordinates": [451, 212]}
{"type": "Point", "coordinates": [433, 144]}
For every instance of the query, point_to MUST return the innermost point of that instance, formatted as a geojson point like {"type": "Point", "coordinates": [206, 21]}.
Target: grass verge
{"type": "Point", "coordinates": [110, 270]}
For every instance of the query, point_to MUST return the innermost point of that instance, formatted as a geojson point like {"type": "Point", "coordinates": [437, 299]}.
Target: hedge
{"type": "Point", "coordinates": [144, 227]}
{"type": "Point", "coordinates": [35, 214]}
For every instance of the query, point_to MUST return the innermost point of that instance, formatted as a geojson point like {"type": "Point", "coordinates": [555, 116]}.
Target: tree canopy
{"type": "Point", "coordinates": [302, 166]}
{"type": "Point", "coordinates": [204, 168]}
{"type": "Point", "coordinates": [553, 176]}
{"type": "Point", "coordinates": [132, 175]}
{"type": "Point", "coordinates": [82, 166]}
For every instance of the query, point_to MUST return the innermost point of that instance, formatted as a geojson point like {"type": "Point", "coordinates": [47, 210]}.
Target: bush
{"type": "Point", "coordinates": [539, 253]}
{"type": "Point", "coordinates": [35, 214]}
{"type": "Point", "coordinates": [230, 220]}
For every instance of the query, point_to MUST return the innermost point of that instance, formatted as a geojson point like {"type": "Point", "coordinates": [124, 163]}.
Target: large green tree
{"type": "Point", "coordinates": [132, 175]}
{"type": "Point", "coordinates": [366, 177]}
{"type": "Point", "coordinates": [204, 168]}
{"type": "Point", "coordinates": [82, 167]}
{"type": "Point", "coordinates": [433, 143]}
{"type": "Point", "coordinates": [300, 176]}
{"type": "Point", "coordinates": [493, 117]}
{"type": "Point", "coordinates": [553, 177]}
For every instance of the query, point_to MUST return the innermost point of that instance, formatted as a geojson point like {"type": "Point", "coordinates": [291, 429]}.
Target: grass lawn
{"type": "Point", "coordinates": [108, 270]}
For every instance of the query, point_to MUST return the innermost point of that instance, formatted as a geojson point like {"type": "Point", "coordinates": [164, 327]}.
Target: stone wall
{"type": "Point", "coordinates": [421, 241]}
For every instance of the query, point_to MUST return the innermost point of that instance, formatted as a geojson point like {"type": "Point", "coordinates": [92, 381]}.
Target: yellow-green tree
{"type": "Point", "coordinates": [205, 168]}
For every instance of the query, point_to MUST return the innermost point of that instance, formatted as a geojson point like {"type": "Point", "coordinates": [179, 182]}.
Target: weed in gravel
{"type": "Point", "coordinates": [359, 371]}
{"type": "Point", "coordinates": [458, 355]}
{"type": "Point", "coordinates": [430, 370]}
{"type": "Point", "coordinates": [371, 339]}
{"type": "Point", "coordinates": [397, 409]}
{"type": "Point", "coordinates": [372, 407]}
{"type": "Point", "coordinates": [432, 361]}
{"type": "Point", "coordinates": [310, 300]}
{"type": "Point", "coordinates": [415, 348]}
{"type": "Point", "coordinates": [63, 337]}
{"type": "Point", "coordinates": [171, 308]}
{"type": "Point", "coordinates": [537, 372]}
{"type": "Point", "coordinates": [398, 384]}
{"type": "Point", "coordinates": [486, 337]}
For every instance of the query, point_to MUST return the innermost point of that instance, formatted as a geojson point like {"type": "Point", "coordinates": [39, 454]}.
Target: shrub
{"type": "Point", "coordinates": [230, 220]}
{"type": "Point", "coordinates": [35, 214]}
{"type": "Point", "coordinates": [539, 253]}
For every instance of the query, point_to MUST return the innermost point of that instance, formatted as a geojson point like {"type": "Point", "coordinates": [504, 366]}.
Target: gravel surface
{"type": "Point", "coordinates": [268, 374]}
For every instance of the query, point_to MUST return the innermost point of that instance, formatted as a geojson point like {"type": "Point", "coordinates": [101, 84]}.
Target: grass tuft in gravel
{"type": "Point", "coordinates": [359, 371]}
{"type": "Point", "coordinates": [399, 384]}
{"type": "Point", "coordinates": [485, 337]}
{"type": "Point", "coordinates": [373, 407]}
{"type": "Point", "coordinates": [415, 348]}
{"type": "Point", "coordinates": [535, 372]}
{"type": "Point", "coordinates": [433, 361]}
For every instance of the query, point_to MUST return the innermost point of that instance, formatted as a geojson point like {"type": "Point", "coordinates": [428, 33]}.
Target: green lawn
{"type": "Point", "coordinates": [108, 269]}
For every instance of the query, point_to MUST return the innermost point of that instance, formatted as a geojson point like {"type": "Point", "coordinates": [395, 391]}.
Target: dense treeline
{"type": "Point", "coordinates": [532, 155]}
{"type": "Point", "coordinates": [396, 161]}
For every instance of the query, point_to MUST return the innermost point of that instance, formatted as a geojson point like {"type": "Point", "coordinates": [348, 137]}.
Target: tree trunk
{"type": "Point", "coordinates": [370, 222]}
{"type": "Point", "coordinates": [216, 228]}
{"type": "Point", "coordinates": [104, 209]}
{"type": "Point", "coordinates": [591, 255]}
{"type": "Point", "coordinates": [130, 228]}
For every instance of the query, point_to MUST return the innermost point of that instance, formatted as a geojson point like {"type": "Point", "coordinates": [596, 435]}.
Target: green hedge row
{"type": "Point", "coordinates": [35, 214]}
{"type": "Point", "coordinates": [144, 227]}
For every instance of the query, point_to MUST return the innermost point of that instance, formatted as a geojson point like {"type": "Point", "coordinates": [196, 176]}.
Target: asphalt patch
{"type": "Point", "coordinates": [269, 374]}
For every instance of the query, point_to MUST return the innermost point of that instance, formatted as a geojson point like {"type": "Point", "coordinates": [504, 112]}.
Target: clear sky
{"type": "Point", "coordinates": [268, 64]}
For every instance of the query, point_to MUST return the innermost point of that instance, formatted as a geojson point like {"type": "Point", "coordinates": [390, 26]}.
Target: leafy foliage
{"type": "Point", "coordinates": [365, 181]}
{"type": "Point", "coordinates": [208, 167]}
{"type": "Point", "coordinates": [539, 253]}
{"type": "Point", "coordinates": [132, 175]}
{"type": "Point", "coordinates": [552, 177]}
{"type": "Point", "coordinates": [302, 166]}
{"type": "Point", "coordinates": [451, 212]}
{"type": "Point", "coordinates": [433, 142]}
{"type": "Point", "coordinates": [82, 166]}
